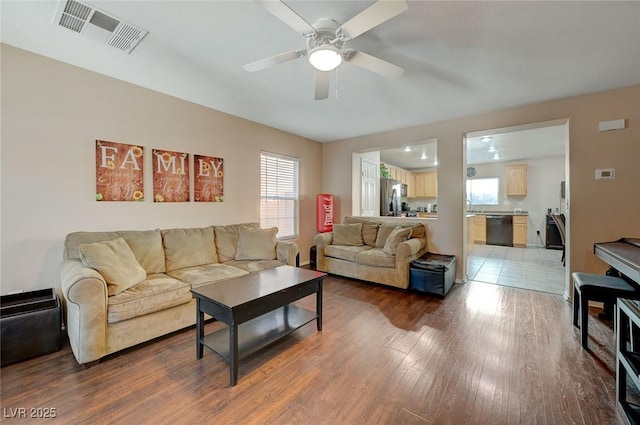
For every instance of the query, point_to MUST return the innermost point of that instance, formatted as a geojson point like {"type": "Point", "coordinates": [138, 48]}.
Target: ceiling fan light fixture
{"type": "Point", "coordinates": [325, 57]}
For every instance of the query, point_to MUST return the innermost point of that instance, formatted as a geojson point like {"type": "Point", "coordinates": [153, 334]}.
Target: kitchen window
{"type": "Point", "coordinates": [279, 193]}
{"type": "Point", "coordinates": [483, 191]}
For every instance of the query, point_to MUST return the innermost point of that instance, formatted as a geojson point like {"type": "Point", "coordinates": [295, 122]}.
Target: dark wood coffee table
{"type": "Point", "coordinates": [257, 310]}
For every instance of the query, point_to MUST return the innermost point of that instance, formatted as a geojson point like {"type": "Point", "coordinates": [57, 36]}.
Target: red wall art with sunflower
{"type": "Point", "coordinates": [170, 176]}
{"type": "Point", "coordinates": [119, 172]}
{"type": "Point", "coordinates": [209, 175]}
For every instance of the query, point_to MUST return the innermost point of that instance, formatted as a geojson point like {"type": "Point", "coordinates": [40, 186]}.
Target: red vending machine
{"type": "Point", "coordinates": [324, 213]}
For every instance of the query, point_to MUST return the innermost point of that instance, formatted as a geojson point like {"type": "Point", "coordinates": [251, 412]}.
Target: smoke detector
{"type": "Point", "coordinates": [98, 25]}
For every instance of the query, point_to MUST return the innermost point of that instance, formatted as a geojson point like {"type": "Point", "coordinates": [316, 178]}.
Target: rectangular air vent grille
{"type": "Point", "coordinates": [75, 15]}
{"type": "Point", "coordinates": [98, 25]}
{"type": "Point", "coordinates": [125, 37]}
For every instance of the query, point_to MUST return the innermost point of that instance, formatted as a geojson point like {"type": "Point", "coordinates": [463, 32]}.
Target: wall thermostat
{"type": "Point", "coordinates": [605, 174]}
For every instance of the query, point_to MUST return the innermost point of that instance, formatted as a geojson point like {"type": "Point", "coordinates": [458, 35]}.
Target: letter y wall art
{"type": "Point", "coordinates": [120, 174]}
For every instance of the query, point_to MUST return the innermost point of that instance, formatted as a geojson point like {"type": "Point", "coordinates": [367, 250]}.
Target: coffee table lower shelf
{"type": "Point", "coordinates": [261, 331]}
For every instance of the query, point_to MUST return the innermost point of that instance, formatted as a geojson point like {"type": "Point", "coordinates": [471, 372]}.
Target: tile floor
{"type": "Point", "coordinates": [533, 268]}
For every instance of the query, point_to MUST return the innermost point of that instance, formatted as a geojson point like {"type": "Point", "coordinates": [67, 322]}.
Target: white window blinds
{"type": "Point", "coordinates": [279, 193]}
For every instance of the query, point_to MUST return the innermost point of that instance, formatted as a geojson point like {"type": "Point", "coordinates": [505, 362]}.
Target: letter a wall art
{"type": "Point", "coordinates": [119, 172]}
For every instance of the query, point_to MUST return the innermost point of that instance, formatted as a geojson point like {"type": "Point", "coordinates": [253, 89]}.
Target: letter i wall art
{"type": "Point", "coordinates": [120, 174]}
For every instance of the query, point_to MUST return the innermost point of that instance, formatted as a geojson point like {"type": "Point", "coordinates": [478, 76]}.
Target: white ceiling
{"type": "Point", "coordinates": [460, 58]}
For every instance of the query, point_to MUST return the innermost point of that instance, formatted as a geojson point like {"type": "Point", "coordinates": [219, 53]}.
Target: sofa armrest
{"type": "Point", "coordinates": [409, 248]}
{"type": "Point", "coordinates": [323, 239]}
{"type": "Point", "coordinates": [287, 252]}
{"type": "Point", "coordinates": [85, 292]}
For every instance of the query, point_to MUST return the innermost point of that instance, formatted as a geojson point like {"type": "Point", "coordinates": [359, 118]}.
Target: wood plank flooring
{"type": "Point", "coordinates": [486, 354]}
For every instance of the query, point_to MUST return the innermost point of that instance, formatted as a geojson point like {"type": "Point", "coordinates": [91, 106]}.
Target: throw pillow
{"type": "Point", "coordinates": [383, 233]}
{"type": "Point", "coordinates": [256, 244]}
{"type": "Point", "coordinates": [347, 234]}
{"type": "Point", "coordinates": [115, 261]}
{"type": "Point", "coordinates": [397, 236]}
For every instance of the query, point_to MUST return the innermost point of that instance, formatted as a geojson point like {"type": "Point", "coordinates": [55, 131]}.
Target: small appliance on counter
{"type": "Point", "coordinates": [434, 208]}
{"type": "Point", "coordinates": [405, 206]}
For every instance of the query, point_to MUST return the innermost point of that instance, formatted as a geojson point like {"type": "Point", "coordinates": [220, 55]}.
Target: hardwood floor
{"type": "Point", "coordinates": [486, 354]}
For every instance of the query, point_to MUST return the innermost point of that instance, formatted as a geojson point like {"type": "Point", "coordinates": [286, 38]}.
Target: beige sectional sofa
{"type": "Point", "coordinates": [371, 250]}
{"type": "Point", "coordinates": [125, 287]}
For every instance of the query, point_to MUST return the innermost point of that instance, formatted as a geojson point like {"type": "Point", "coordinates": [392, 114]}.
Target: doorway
{"type": "Point", "coordinates": [541, 150]}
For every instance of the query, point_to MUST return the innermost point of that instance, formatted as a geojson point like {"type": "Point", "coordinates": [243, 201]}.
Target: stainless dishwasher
{"type": "Point", "coordinates": [500, 230]}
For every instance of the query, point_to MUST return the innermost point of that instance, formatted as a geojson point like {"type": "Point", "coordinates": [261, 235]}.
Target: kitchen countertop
{"type": "Point", "coordinates": [498, 212]}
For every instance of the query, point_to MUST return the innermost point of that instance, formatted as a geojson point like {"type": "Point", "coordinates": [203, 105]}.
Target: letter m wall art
{"type": "Point", "coordinates": [170, 176]}
{"type": "Point", "coordinates": [119, 172]}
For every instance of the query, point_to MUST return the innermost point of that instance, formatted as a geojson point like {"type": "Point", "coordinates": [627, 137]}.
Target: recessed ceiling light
{"type": "Point", "coordinates": [424, 156]}
{"type": "Point", "coordinates": [496, 156]}
{"type": "Point", "coordinates": [407, 149]}
{"type": "Point", "coordinates": [492, 149]}
{"type": "Point", "coordinates": [486, 139]}
{"type": "Point", "coordinates": [435, 162]}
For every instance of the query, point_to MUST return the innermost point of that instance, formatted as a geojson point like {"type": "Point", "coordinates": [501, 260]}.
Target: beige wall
{"type": "Point", "coordinates": [599, 210]}
{"type": "Point", "coordinates": [52, 113]}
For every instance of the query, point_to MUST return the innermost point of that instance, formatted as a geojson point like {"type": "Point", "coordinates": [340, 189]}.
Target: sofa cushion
{"type": "Point", "coordinates": [189, 247]}
{"type": "Point", "coordinates": [227, 240]}
{"type": "Point", "coordinates": [344, 252]}
{"type": "Point", "coordinates": [348, 234]}
{"type": "Point", "coordinates": [208, 273]}
{"type": "Point", "coordinates": [146, 245]}
{"type": "Point", "coordinates": [369, 229]}
{"type": "Point", "coordinates": [376, 257]}
{"type": "Point", "coordinates": [256, 244]}
{"type": "Point", "coordinates": [255, 265]}
{"type": "Point", "coordinates": [397, 236]}
{"type": "Point", "coordinates": [156, 292]}
{"type": "Point", "coordinates": [115, 261]}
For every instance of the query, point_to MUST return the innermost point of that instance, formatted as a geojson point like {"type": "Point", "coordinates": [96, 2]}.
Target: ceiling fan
{"type": "Point", "coordinates": [327, 39]}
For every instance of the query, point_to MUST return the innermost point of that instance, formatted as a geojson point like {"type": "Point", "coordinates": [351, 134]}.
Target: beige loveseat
{"type": "Point", "coordinates": [125, 287]}
{"type": "Point", "coordinates": [371, 250]}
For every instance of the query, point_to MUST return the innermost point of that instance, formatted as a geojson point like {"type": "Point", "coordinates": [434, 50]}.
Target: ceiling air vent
{"type": "Point", "coordinates": [98, 25]}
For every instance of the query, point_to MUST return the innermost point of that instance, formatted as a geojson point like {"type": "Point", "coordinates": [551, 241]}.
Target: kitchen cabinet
{"type": "Point", "coordinates": [410, 181]}
{"type": "Point", "coordinates": [405, 177]}
{"type": "Point", "coordinates": [470, 239]}
{"type": "Point", "coordinates": [427, 184]}
{"type": "Point", "coordinates": [480, 229]}
{"type": "Point", "coordinates": [520, 231]}
{"type": "Point", "coordinates": [393, 172]}
{"type": "Point", "coordinates": [517, 180]}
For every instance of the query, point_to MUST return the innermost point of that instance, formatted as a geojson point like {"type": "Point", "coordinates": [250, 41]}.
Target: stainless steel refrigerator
{"type": "Point", "coordinates": [390, 197]}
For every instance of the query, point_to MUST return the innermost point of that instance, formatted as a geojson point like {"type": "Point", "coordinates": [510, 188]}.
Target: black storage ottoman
{"type": "Point", "coordinates": [433, 273]}
{"type": "Point", "coordinates": [30, 325]}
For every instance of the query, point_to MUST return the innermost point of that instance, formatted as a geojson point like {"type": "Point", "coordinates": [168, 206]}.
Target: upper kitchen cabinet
{"type": "Point", "coordinates": [517, 180]}
{"type": "Point", "coordinates": [427, 184]}
{"type": "Point", "coordinates": [410, 181]}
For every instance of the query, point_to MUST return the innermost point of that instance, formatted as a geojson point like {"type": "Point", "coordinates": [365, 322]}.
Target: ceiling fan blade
{"type": "Point", "coordinates": [287, 15]}
{"type": "Point", "coordinates": [274, 60]}
{"type": "Point", "coordinates": [374, 15]}
{"type": "Point", "coordinates": [323, 78]}
{"type": "Point", "coordinates": [377, 65]}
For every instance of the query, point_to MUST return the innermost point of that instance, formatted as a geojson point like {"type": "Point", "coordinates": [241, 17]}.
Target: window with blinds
{"type": "Point", "coordinates": [279, 193]}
